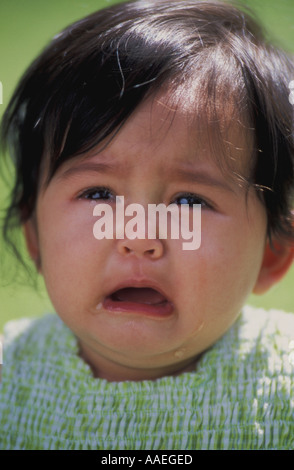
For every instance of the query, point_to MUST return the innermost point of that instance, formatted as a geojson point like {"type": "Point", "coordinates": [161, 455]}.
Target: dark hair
{"type": "Point", "coordinates": [92, 76]}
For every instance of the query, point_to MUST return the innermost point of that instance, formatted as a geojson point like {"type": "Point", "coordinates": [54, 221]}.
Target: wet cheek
{"type": "Point", "coordinates": [61, 226]}
{"type": "Point", "coordinates": [210, 276]}
{"type": "Point", "coordinates": [67, 245]}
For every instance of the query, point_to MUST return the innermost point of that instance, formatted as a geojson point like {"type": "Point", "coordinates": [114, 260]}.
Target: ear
{"type": "Point", "coordinates": [32, 241]}
{"type": "Point", "coordinates": [277, 259]}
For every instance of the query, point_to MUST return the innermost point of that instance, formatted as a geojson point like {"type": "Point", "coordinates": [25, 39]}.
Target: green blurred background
{"type": "Point", "coordinates": [25, 27]}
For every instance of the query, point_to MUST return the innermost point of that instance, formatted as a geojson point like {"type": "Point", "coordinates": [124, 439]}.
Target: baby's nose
{"type": "Point", "coordinates": [143, 248]}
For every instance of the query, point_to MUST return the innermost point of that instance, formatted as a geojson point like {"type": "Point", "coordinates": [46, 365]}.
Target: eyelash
{"type": "Point", "coordinates": [194, 199]}
{"type": "Point", "coordinates": [89, 193]}
{"type": "Point", "coordinates": [106, 194]}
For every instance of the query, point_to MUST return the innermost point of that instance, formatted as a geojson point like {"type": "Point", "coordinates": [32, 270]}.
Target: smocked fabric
{"type": "Point", "coordinates": [240, 396]}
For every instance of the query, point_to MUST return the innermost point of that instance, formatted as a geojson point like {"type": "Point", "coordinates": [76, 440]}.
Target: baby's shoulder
{"type": "Point", "coordinates": [266, 322]}
{"type": "Point", "coordinates": [267, 330]}
{"type": "Point", "coordinates": [27, 337]}
{"type": "Point", "coordinates": [15, 328]}
{"type": "Point", "coordinates": [32, 345]}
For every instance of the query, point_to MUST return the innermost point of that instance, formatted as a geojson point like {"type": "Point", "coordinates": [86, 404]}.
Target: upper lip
{"type": "Point", "coordinates": [136, 283]}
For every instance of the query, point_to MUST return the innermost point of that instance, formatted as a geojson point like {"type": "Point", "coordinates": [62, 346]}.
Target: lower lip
{"type": "Point", "coordinates": [164, 309]}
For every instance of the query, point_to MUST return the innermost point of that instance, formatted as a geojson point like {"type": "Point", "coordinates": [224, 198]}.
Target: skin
{"type": "Point", "coordinates": [151, 160]}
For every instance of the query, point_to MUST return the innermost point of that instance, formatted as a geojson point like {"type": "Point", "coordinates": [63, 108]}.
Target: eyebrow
{"type": "Point", "coordinates": [89, 167]}
{"type": "Point", "coordinates": [202, 177]}
{"type": "Point", "coordinates": [193, 176]}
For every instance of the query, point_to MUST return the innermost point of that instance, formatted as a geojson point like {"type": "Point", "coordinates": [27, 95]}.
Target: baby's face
{"type": "Point", "coordinates": [145, 308]}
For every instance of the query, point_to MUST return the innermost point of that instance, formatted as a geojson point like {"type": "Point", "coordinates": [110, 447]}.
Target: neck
{"type": "Point", "coordinates": [111, 371]}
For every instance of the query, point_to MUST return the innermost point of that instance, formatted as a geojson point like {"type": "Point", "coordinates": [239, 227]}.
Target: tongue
{"type": "Point", "coordinates": [143, 295]}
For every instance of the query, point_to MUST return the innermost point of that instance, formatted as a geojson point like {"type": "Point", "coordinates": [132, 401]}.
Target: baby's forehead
{"type": "Point", "coordinates": [173, 125]}
{"type": "Point", "coordinates": [214, 131]}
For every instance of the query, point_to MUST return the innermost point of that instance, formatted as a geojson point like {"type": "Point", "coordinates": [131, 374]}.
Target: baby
{"type": "Point", "coordinates": [179, 103]}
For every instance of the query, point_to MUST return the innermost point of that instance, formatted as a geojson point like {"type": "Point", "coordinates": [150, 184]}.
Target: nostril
{"type": "Point", "coordinates": [141, 247]}
{"type": "Point", "coordinates": [128, 250]}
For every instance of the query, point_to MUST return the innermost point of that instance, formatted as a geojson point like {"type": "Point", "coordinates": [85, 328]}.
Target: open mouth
{"type": "Point", "coordinates": [138, 299]}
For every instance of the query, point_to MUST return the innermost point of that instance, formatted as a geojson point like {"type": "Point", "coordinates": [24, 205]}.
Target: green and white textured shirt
{"type": "Point", "coordinates": [240, 396]}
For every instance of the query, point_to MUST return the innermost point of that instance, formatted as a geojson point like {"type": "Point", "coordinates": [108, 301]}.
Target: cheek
{"type": "Point", "coordinates": [72, 259]}
{"type": "Point", "coordinates": [66, 232]}
{"type": "Point", "coordinates": [225, 266]}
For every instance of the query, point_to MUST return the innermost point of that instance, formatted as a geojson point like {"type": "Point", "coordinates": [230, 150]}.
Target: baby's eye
{"type": "Point", "coordinates": [96, 194]}
{"type": "Point", "coordinates": [191, 199]}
